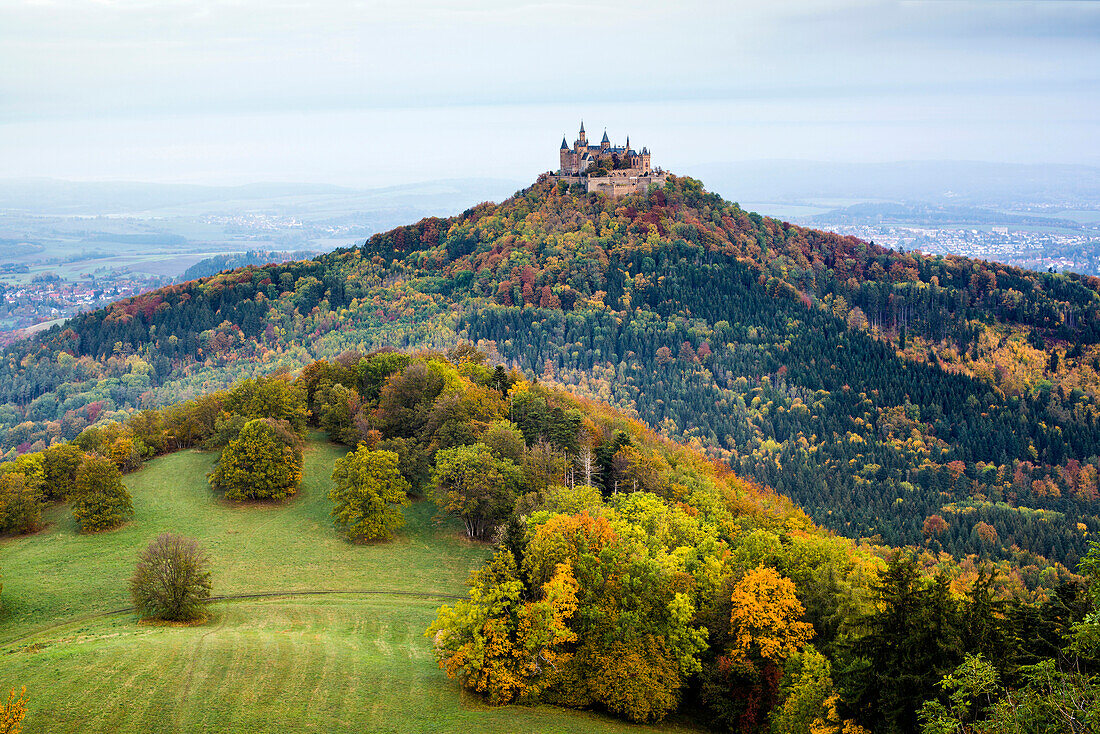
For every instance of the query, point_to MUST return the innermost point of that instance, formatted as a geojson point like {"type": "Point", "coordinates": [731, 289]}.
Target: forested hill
{"type": "Point", "coordinates": [929, 400]}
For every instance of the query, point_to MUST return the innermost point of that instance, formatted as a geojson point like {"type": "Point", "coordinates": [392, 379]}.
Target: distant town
{"type": "Point", "coordinates": [1078, 252]}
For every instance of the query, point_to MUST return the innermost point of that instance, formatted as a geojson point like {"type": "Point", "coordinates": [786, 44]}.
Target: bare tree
{"type": "Point", "coordinates": [586, 459]}
{"type": "Point", "coordinates": [172, 579]}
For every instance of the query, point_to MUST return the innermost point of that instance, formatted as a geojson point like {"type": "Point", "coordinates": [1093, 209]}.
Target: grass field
{"type": "Point", "coordinates": [355, 662]}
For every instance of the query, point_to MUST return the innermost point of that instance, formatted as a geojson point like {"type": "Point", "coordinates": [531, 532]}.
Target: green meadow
{"type": "Point", "coordinates": [351, 660]}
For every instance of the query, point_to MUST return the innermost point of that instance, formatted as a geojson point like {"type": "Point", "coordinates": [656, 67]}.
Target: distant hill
{"type": "Point", "coordinates": [57, 197]}
{"type": "Point", "coordinates": [932, 215]}
{"type": "Point", "coordinates": [937, 401]}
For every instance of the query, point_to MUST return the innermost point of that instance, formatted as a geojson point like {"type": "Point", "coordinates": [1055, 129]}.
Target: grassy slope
{"type": "Point", "coordinates": [307, 663]}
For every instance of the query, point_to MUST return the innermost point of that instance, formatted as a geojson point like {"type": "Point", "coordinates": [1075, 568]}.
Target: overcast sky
{"type": "Point", "coordinates": [367, 93]}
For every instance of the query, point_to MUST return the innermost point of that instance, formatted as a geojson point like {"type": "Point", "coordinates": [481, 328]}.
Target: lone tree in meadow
{"type": "Point", "coordinates": [368, 495]}
{"type": "Point", "coordinates": [475, 485]}
{"type": "Point", "coordinates": [172, 579]}
{"type": "Point", "coordinates": [99, 499]}
{"type": "Point", "coordinates": [263, 462]}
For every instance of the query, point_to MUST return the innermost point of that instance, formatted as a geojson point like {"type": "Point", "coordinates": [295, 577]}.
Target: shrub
{"type": "Point", "coordinates": [263, 462]}
{"type": "Point", "coordinates": [369, 493]}
{"type": "Point", "coordinates": [172, 579]}
{"type": "Point", "coordinates": [100, 500]}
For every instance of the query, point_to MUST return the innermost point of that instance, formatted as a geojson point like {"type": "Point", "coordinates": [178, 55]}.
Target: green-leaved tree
{"type": "Point", "coordinates": [100, 501]}
{"type": "Point", "coordinates": [263, 462]}
{"type": "Point", "coordinates": [368, 494]}
{"type": "Point", "coordinates": [473, 484]}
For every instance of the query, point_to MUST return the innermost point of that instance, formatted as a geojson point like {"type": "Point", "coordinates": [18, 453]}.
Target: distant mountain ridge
{"type": "Point", "coordinates": [59, 197]}
{"type": "Point", "coordinates": [907, 396]}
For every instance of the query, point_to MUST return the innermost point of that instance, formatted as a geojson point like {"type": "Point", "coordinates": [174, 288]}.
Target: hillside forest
{"type": "Point", "coordinates": [631, 574]}
{"type": "Point", "coordinates": [938, 402]}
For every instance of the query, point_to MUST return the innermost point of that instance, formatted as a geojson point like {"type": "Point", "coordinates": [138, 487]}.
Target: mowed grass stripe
{"type": "Point", "coordinates": [272, 665]}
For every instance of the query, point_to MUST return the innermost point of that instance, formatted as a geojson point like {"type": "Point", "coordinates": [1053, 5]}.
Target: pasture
{"type": "Point", "coordinates": [299, 661]}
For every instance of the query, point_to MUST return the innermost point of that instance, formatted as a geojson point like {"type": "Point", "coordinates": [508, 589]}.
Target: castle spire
{"type": "Point", "coordinates": [605, 138]}
{"type": "Point", "coordinates": [563, 145]}
{"type": "Point", "coordinates": [582, 127]}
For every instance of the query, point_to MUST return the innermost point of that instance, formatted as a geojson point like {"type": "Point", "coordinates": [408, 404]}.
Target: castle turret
{"type": "Point", "coordinates": [627, 166]}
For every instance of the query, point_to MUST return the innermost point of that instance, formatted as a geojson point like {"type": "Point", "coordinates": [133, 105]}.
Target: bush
{"type": "Point", "coordinates": [172, 579]}
{"type": "Point", "coordinates": [263, 462]}
{"type": "Point", "coordinates": [100, 500]}
{"type": "Point", "coordinates": [368, 495]}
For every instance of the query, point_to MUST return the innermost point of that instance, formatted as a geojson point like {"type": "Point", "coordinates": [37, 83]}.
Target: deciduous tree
{"type": "Point", "coordinates": [100, 501]}
{"type": "Point", "coordinates": [13, 711]}
{"type": "Point", "coordinates": [368, 494]}
{"type": "Point", "coordinates": [172, 579]}
{"type": "Point", "coordinates": [473, 484]}
{"type": "Point", "coordinates": [261, 463]}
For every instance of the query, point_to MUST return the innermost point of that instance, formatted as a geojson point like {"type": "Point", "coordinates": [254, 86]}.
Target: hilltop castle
{"type": "Point", "coordinates": [613, 170]}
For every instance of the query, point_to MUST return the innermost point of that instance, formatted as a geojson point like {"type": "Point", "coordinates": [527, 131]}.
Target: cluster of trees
{"type": "Point", "coordinates": [696, 591]}
{"type": "Point", "coordinates": [89, 481]}
{"type": "Point", "coordinates": [473, 438]}
{"type": "Point", "coordinates": [257, 425]}
{"type": "Point", "coordinates": [874, 387]}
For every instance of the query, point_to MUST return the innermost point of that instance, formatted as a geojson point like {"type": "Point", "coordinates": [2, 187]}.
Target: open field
{"type": "Point", "coordinates": [325, 663]}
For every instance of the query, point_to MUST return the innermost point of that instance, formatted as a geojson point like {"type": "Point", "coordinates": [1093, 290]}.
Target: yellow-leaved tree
{"type": "Point", "coordinates": [13, 712]}
{"type": "Point", "coordinates": [499, 646]}
{"type": "Point", "coordinates": [263, 462]}
{"type": "Point", "coordinates": [766, 620]}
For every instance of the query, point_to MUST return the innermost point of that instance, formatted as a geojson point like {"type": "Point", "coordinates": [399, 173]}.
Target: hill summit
{"type": "Point", "coordinates": [938, 401]}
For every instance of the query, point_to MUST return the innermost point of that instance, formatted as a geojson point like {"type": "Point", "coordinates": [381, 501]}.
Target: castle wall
{"type": "Point", "coordinates": [622, 185]}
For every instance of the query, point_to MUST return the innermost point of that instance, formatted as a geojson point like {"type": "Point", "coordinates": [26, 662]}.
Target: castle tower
{"type": "Point", "coordinates": [606, 142]}
{"type": "Point", "coordinates": [582, 140]}
{"type": "Point", "coordinates": [645, 159]}
{"type": "Point", "coordinates": [565, 157]}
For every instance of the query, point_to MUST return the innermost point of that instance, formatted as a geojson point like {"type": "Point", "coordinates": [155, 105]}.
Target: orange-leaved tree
{"type": "Point", "coordinates": [766, 620]}
{"type": "Point", "coordinates": [498, 645]}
